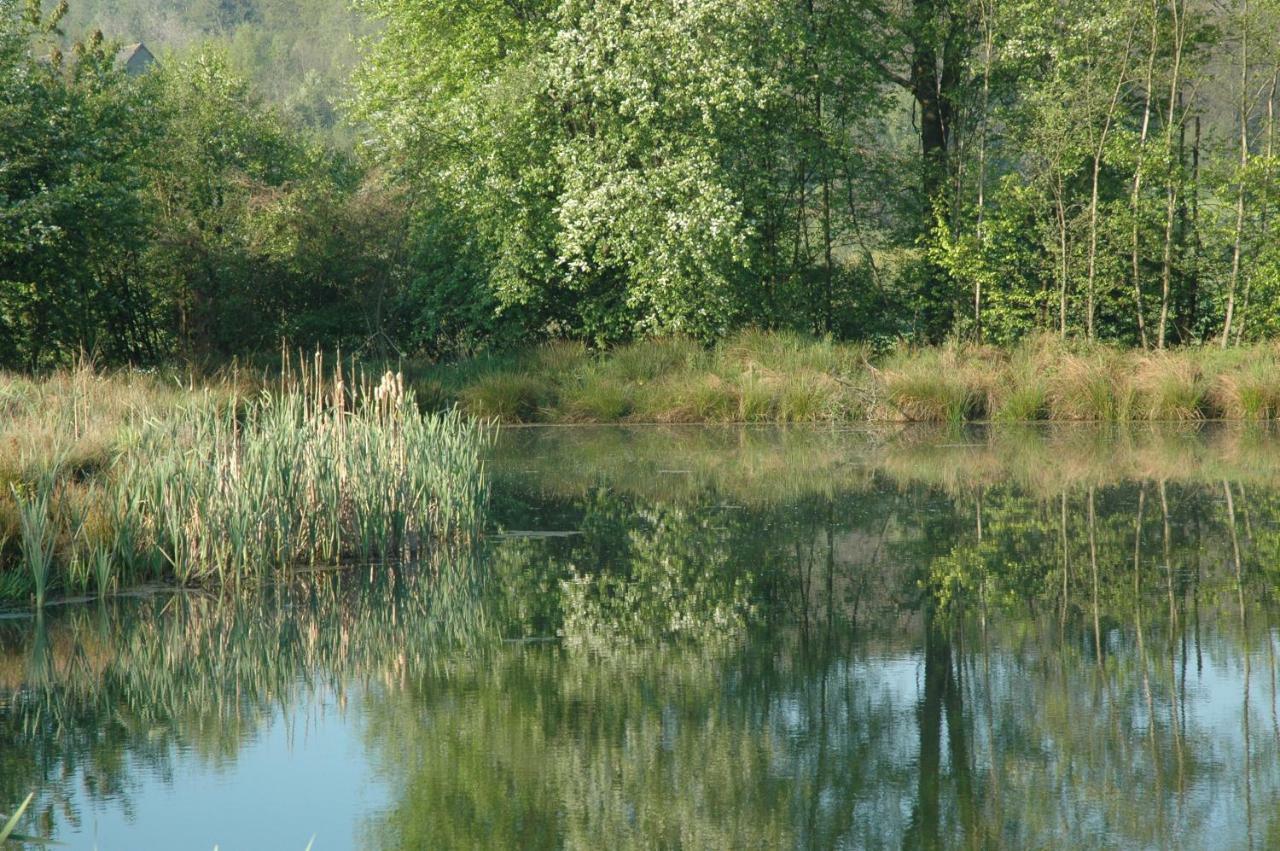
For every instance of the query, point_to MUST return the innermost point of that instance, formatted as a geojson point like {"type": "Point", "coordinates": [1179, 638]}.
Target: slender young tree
{"type": "Point", "coordinates": [1178, 42]}
{"type": "Point", "coordinates": [1099, 150]}
{"type": "Point", "coordinates": [1242, 117]}
{"type": "Point", "coordinates": [1135, 195]}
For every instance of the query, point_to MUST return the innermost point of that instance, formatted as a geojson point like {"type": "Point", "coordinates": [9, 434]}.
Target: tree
{"type": "Point", "coordinates": [74, 132]}
{"type": "Point", "coordinates": [626, 168]}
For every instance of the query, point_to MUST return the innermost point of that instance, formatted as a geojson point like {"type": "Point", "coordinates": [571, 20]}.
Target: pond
{"type": "Point", "coordinates": [710, 638]}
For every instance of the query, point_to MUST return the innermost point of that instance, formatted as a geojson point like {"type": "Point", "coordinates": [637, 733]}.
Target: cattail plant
{"type": "Point", "coordinates": [328, 467]}
{"type": "Point", "coordinates": [37, 534]}
{"type": "Point", "coordinates": [320, 473]}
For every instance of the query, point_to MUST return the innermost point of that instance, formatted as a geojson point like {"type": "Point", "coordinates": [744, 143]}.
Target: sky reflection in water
{"type": "Point", "coordinates": [753, 638]}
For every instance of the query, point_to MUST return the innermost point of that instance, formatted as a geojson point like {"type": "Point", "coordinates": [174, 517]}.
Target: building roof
{"type": "Point", "coordinates": [135, 58]}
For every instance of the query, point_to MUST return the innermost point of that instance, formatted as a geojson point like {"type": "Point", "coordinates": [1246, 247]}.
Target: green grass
{"type": "Point", "coordinates": [508, 396]}
{"type": "Point", "coordinates": [754, 376]}
{"type": "Point", "coordinates": [210, 486]}
{"type": "Point", "coordinates": [782, 377]}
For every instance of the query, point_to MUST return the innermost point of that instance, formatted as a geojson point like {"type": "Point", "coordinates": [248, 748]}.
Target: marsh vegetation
{"type": "Point", "coordinates": [780, 235]}
{"type": "Point", "coordinates": [113, 480]}
{"type": "Point", "coordinates": [757, 376]}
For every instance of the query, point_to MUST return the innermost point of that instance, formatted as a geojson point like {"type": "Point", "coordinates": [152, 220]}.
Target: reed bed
{"type": "Point", "coordinates": [780, 377]}
{"type": "Point", "coordinates": [324, 469]}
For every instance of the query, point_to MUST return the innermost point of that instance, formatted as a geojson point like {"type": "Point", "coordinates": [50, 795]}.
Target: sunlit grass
{"type": "Point", "coordinates": [939, 385]}
{"type": "Point", "coordinates": [209, 486]}
{"type": "Point", "coordinates": [779, 377]}
{"type": "Point", "coordinates": [754, 376]}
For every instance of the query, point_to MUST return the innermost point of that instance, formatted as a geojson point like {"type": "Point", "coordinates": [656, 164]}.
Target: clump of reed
{"type": "Point", "coordinates": [1091, 385]}
{"type": "Point", "coordinates": [513, 397]}
{"type": "Point", "coordinates": [1246, 387]}
{"type": "Point", "coordinates": [37, 539]}
{"type": "Point", "coordinates": [1168, 387]}
{"type": "Point", "coordinates": [946, 384]}
{"type": "Point", "coordinates": [320, 471]}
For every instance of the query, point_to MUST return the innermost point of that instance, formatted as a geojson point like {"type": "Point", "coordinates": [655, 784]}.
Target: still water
{"type": "Point", "coordinates": [710, 638]}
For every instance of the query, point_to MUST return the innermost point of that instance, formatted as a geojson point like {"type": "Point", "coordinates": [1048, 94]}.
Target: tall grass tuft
{"type": "Point", "coordinates": [938, 385]}
{"type": "Point", "coordinates": [507, 396]}
{"type": "Point", "coordinates": [752, 376]}
{"type": "Point", "coordinates": [1092, 385]}
{"type": "Point", "coordinates": [780, 377]}
{"type": "Point", "coordinates": [1248, 389]}
{"type": "Point", "coordinates": [38, 535]}
{"type": "Point", "coordinates": [316, 474]}
{"type": "Point", "coordinates": [1169, 388]}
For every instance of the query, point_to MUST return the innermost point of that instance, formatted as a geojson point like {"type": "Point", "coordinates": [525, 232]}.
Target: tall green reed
{"type": "Point", "coordinates": [323, 472]}
{"type": "Point", "coordinates": [325, 468]}
{"type": "Point", "coordinates": [7, 830]}
{"type": "Point", "coordinates": [37, 534]}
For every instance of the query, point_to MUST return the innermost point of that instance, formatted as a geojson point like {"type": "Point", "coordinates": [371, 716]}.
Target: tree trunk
{"type": "Point", "coordinates": [1060, 209]}
{"type": "Point", "coordinates": [933, 88]}
{"type": "Point", "coordinates": [1244, 161]}
{"type": "Point", "coordinates": [1263, 224]}
{"type": "Point", "coordinates": [1136, 194]}
{"type": "Point", "coordinates": [1098, 152]}
{"type": "Point", "coordinates": [987, 47]}
{"type": "Point", "coordinates": [1178, 8]}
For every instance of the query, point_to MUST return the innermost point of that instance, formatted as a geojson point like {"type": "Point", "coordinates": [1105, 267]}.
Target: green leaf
{"type": "Point", "coordinates": [7, 832]}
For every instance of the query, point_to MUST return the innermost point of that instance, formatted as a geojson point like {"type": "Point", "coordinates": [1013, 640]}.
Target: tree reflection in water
{"type": "Point", "coordinates": [826, 641]}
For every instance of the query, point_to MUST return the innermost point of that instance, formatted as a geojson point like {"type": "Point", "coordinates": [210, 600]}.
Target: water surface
{"type": "Point", "coordinates": [710, 638]}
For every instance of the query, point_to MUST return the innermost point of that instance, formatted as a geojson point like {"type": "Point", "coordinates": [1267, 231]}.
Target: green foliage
{"type": "Point", "coordinates": [173, 213]}
{"type": "Point", "coordinates": [260, 234]}
{"type": "Point", "coordinates": [615, 166]}
{"type": "Point", "coordinates": [74, 134]}
{"type": "Point", "coordinates": [612, 172]}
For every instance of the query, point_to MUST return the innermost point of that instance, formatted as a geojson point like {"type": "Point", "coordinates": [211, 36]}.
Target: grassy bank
{"type": "Point", "coordinates": [113, 480]}
{"type": "Point", "coordinates": [778, 377]}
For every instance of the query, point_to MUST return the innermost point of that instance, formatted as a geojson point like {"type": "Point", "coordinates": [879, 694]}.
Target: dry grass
{"type": "Point", "coordinates": [754, 376]}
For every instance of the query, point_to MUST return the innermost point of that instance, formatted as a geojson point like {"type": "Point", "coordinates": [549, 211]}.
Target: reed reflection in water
{"type": "Point", "coordinates": [749, 639]}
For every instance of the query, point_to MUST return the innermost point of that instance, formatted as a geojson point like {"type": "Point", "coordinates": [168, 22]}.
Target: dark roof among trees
{"type": "Point", "coordinates": [135, 58]}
